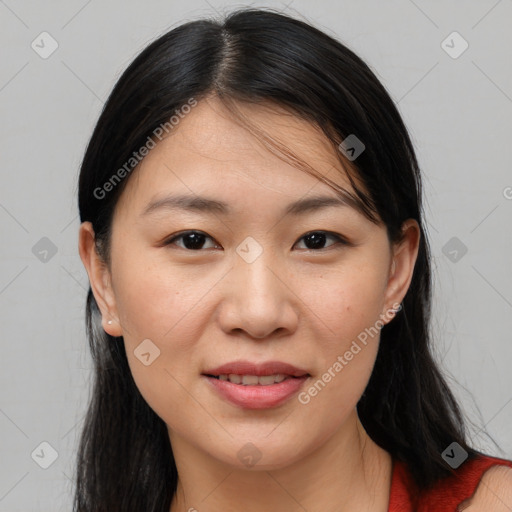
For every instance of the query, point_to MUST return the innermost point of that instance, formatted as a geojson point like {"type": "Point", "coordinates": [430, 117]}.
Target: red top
{"type": "Point", "coordinates": [446, 494]}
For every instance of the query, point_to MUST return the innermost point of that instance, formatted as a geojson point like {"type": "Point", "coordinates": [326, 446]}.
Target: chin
{"type": "Point", "coordinates": [260, 454]}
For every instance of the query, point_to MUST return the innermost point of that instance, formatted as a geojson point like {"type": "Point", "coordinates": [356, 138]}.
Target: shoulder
{"type": "Point", "coordinates": [498, 474]}
{"type": "Point", "coordinates": [481, 484]}
{"type": "Point", "coordinates": [494, 491]}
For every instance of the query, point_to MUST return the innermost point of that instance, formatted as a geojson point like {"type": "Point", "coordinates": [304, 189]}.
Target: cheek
{"type": "Point", "coordinates": [167, 305]}
{"type": "Point", "coordinates": [346, 303]}
{"type": "Point", "coordinates": [156, 301]}
{"type": "Point", "coordinates": [349, 310]}
{"type": "Point", "coordinates": [156, 310]}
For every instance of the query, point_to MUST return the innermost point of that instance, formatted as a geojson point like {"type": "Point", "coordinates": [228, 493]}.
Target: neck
{"type": "Point", "coordinates": [347, 472]}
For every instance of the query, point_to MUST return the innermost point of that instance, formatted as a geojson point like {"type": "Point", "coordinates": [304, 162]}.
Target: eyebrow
{"type": "Point", "coordinates": [203, 204]}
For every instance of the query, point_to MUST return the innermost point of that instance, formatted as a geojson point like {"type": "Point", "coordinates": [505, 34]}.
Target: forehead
{"type": "Point", "coordinates": [209, 152]}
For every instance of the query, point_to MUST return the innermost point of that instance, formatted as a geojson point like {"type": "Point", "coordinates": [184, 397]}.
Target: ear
{"type": "Point", "coordinates": [100, 279]}
{"type": "Point", "coordinates": [402, 264]}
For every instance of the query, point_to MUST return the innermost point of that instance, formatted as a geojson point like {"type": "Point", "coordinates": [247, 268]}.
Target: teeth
{"type": "Point", "coordinates": [254, 380]}
{"type": "Point", "coordinates": [235, 379]}
{"type": "Point", "coordinates": [266, 380]}
{"type": "Point", "coordinates": [249, 380]}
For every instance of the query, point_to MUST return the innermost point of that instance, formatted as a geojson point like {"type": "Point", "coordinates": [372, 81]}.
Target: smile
{"type": "Point", "coordinates": [253, 380]}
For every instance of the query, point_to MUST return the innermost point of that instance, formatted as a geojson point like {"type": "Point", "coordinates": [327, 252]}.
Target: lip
{"type": "Point", "coordinates": [257, 397]}
{"type": "Point", "coordinates": [259, 369]}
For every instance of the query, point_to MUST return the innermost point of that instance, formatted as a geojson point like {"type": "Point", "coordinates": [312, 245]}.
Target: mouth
{"type": "Point", "coordinates": [253, 380]}
{"type": "Point", "coordinates": [256, 386]}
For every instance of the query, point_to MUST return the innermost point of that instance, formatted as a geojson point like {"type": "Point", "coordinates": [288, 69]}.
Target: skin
{"type": "Point", "coordinates": [206, 307]}
{"type": "Point", "coordinates": [494, 492]}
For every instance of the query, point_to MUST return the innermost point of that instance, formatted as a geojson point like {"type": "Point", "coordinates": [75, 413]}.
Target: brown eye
{"type": "Point", "coordinates": [192, 240]}
{"type": "Point", "coordinates": [315, 240]}
{"type": "Point", "coordinates": [195, 240]}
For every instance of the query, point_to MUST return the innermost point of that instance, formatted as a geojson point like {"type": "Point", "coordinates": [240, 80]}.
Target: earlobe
{"type": "Point", "coordinates": [99, 278]}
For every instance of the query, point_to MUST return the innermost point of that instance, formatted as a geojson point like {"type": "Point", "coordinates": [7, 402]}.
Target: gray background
{"type": "Point", "coordinates": [459, 113]}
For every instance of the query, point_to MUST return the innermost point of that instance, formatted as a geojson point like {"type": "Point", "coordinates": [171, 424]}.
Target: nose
{"type": "Point", "coordinates": [258, 299]}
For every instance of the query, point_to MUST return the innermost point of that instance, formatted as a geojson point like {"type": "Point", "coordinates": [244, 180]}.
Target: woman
{"type": "Point", "coordinates": [260, 288]}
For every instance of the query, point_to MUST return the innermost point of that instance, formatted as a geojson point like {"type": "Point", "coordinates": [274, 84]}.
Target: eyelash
{"type": "Point", "coordinates": [339, 238]}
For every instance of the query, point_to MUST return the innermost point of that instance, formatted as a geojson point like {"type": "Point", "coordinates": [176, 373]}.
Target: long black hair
{"type": "Point", "coordinates": [125, 461]}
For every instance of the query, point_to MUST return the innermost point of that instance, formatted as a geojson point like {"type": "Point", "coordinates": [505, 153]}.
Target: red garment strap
{"type": "Point", "coordinates": [446, 494]}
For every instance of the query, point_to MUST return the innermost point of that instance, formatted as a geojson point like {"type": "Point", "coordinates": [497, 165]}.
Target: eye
{"type": "Point", "coordinates": [195, 240]}
{"type": "Point", "coordinates": [192, 240]}
{"type": "Point", "coordinates": [315, 240]}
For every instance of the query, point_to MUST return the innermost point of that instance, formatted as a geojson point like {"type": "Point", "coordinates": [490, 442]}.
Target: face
{"type": "Point", "coordinates": [193, 288]}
